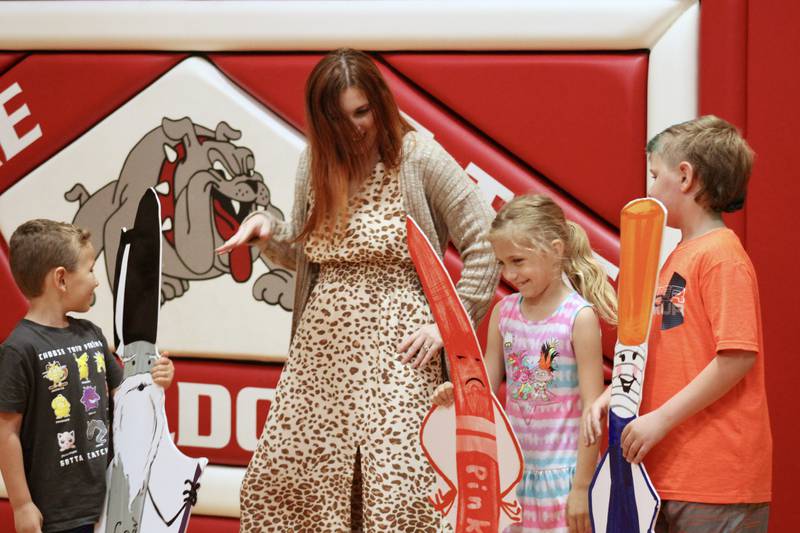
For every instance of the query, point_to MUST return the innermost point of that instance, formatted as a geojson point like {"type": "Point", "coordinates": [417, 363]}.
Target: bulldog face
{"type": "Point", "coordinates": [206, 186]}
{"type": "Point", "coordinates": [626, 379]}
{"type": "Point", "coordinates": [209, 185]}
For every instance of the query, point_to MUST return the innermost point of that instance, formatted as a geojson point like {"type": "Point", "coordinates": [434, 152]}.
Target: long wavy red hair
{"type": "Point", "coordinates": [338, 155]}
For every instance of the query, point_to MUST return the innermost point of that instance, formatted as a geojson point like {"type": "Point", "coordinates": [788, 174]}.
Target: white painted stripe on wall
{"type": "Point", "coordinates": [673, 87]}
{"type": "Point", "coordinates": [323, 25]}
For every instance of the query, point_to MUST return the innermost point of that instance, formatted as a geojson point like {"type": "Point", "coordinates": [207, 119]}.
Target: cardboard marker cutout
{"type": "Point", "coordinates": [622, 498]}
{"type": "Point", "coordinates": [151, 485]}
{"type": "Point", "coordinates": [470, 444]}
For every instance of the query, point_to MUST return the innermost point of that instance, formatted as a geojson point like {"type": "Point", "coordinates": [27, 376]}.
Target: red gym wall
{"type": "Point", "coordinates": [569, 124]}
{"type": "Point", "coordinates": [773, 241]}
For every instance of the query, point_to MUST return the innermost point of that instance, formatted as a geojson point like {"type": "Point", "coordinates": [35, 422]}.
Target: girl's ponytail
{"type": "Point", "coordinates": [586, 274]}
{"type": "Point", "coordinates": [541, 220]}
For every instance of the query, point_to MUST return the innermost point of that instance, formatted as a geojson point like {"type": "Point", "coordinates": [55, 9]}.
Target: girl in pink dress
{"type": "Point", "coordinates": [545, 340]}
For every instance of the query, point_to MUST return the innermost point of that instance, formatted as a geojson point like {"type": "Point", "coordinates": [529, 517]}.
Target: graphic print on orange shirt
{"type": "Point", "coordinates": [670, 301]}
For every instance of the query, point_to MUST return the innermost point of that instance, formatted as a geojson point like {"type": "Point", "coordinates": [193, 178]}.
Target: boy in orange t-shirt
{"type": "Point", "coordinates": [705, 428]}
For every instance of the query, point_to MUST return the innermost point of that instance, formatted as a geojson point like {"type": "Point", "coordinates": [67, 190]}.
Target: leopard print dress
{"type": "Point", "coordinates": [340, 450]}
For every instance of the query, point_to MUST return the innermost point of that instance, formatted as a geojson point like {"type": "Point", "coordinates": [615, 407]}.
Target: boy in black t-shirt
{"type": "Point", "coordinates": [56, 372]}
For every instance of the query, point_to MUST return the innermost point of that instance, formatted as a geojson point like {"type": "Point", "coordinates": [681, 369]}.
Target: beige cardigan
{"type": "Point", "coordinates": [442, 199]}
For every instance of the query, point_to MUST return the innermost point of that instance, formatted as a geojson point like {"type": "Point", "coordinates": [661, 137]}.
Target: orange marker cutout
{"type": "Point", "coordinates": [641, 228]}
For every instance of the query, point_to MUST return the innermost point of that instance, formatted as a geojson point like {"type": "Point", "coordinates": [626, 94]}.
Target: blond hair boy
{"type": "Point", "coordinates": [704, 428]}
{"type": "Point", "coordinates": [55, 426]}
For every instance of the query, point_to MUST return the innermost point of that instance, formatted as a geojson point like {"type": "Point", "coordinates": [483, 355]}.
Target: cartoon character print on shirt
{"type": "Point", "coordinates": [543, 373]}
{"type": "Point", "coordinates": [96, 431]}
{"type": "Point", "coordinates": [66, 441]}
{"type": "Point", "coordinates": [83, 365]}
{"type": "Point", "coordinates": [61, 407]}
{"type": "Point", "coordinates": [670, 301]}
{"type": "Point", "coordinates": [90, 398]}
{"type": "Point", "coordinates": [57, 374]}
{"type": "Point", "coordinates": [521, 365]}
{"type": "Point", "coordinates": [100, 362]}
{"type": "Point", "coordinates": [533, 373]}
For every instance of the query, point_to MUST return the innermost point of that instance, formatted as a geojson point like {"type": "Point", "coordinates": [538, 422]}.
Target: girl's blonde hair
{"type": "Point", "coordinates": [538, 219]}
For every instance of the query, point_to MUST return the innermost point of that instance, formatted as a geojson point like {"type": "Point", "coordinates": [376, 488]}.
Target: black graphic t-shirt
{"type": "Point", "coordinates": [59, 379]}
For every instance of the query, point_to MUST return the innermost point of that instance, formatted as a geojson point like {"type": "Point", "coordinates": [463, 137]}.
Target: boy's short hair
{"type": "Point", "coordinates": [720, 157]}
{"type": "Point", "coordinates": [40, 245]}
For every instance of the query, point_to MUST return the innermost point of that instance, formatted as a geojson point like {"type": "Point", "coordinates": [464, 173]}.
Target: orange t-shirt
{"type": "Point", "coordinates": [706, 302]}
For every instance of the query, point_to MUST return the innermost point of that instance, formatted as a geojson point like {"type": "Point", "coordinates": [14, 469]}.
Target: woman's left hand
{"type": "Point", "coordinates": [421, 346]}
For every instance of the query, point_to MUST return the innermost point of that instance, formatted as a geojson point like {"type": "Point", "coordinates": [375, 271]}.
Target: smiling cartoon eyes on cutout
{"type": "Point", "coordinates": [622, 356]}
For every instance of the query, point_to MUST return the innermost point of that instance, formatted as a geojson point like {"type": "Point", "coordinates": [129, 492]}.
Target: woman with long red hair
{"type": "Point", "coordinates": [340, 450]}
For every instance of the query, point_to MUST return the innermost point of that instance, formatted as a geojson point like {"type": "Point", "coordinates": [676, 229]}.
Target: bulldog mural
{"type": "Point", "coordinates": [206, 187]}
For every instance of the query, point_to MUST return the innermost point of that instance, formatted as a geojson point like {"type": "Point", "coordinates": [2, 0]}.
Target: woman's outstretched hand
{"type": "Point", "coordinates": [254, 231]}
{"type": "Point", "coordinates": [421, 346]}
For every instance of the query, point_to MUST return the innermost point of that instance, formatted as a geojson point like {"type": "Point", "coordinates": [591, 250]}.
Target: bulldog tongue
{"type": "Point", "coordinates": [241, 265]}
{"type": "Point", "coordinates": [239, 259]}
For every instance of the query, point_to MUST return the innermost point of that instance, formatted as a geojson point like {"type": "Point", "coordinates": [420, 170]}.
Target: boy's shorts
{"type": "Point", "coordinates": [690, 517]}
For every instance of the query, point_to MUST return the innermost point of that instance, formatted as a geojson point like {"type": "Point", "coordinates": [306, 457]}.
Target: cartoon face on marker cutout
{"type": "Point", "coordinates": [472, 394]}
{"type": "Point", "coordinates": [626, 379]}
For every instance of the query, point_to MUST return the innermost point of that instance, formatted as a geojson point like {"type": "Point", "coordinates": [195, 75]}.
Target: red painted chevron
{"type": "Point", "coordinates": [14, 304]}
{"type": "Point", "coordinates": [579, 119]}
{"type": "Point", "coordinates": [64, 95]}
{"type": "Point", "coordinates": [8, 59]}
{"type": "Point", "coordinates": [469, 146]}
{"type": "Point", "coordinates": [276, 80]}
